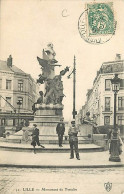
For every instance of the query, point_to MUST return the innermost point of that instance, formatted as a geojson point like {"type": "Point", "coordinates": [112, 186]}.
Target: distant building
{"type": "Point", "coordinates": [100, 99]}
{"type": "Point", "coordinates": [16, 86]}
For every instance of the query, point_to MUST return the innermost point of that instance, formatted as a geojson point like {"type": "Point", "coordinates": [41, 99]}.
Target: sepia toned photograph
{"type": "Point", "coordinates": [61, 96]}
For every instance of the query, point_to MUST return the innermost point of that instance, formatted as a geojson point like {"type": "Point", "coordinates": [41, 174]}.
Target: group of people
{"type": "Point", "coordinates": [60, 129]}
{"type": "Point", "coordinates": [73, 138]}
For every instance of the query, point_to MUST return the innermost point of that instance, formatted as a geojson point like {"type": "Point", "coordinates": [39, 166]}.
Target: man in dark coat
{"type": "Point", "coordinates": [60, 129]}
{"type": "Point", "coordinates": [73, 140]}
{"type": "Point", "coordinates": [35, 137]}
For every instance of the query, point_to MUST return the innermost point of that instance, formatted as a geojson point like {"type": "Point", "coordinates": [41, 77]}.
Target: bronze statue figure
{"type": "Point", "coordinates": [53, 83]}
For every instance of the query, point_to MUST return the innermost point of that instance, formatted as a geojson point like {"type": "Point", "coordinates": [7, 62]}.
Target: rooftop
{"type": "Point", "coordinates": [13, 68]}
{"type": "Point", "coordinates": [111, 67]}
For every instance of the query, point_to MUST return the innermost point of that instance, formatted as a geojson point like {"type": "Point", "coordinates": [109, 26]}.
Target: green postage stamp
{"type": "Point", "coordinates": [97, 23]}
{"type": "Point", "coordinates": [100, 18]}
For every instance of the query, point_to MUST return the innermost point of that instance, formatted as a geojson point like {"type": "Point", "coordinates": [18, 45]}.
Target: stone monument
{"type": "Point", "coordinates": [48, 111]}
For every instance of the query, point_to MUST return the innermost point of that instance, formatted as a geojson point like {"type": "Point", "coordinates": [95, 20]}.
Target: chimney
{"type": "Point", "coordinates": [9, 61]}
{"type": "Point", "coordinates": [118, 57]}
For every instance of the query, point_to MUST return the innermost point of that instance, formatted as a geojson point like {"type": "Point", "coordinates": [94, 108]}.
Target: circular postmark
{"type": "Point", "coordinates": [96, 24]}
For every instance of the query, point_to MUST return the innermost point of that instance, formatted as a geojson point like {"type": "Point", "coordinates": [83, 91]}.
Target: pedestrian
{"type": "Point", "coordinates": [60, 129]}
{"type": "Point", "coordinates": [120, 142]}
{"type": "Point", "coordinates": [25, 136]}
{"type": "Point", "coordinates": [35, 138]}
{"type": "Point", "coordinates": [110, 137]}
{"type": "Point", "coordinates": [73, 140]}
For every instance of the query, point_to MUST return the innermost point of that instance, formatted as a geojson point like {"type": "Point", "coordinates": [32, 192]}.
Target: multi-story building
{"type": "Point", "coordinates": [100, 99]}
{"type": "Point", "coordinates": [15, 86]}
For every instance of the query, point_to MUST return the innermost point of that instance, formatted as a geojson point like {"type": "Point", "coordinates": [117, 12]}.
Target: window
{"type": "Point", "coordinates": [98, 104]}
{"type": "Point", "coordinates": [107, 84]}
{"type": "Point", "coordinates": [29, 104]}
{"type": "Point", "coordinates": [3, 122]}
{"type": "Point", "coordinates": [8, 101]}
{"type": "Point", "coordinates": [120, 120]}
{"type": "Point", "coordinates": [20, 85]}
{"type": "Point", "coordinates": [106, 120]}
{"type": "Point", "coordinates": [0, 83]}
{"type": "Point", "coordinates": [121, 103]}
{"type": "Point", "coordinates": [21, 100]}
{"type": "Point", "coordinates": [8, 84]}
{"type": "Point", "coordinates": [34, 87]}
{"type": "Point", "coordinates": [14, 122]}
{"type": "Point", "coordinates": [9, 122]}
{"type": "Point", "coordinates": [122, 84]}
{"type": "Point", "coordinates": [107, 103]}
{"type": "Point", "coordinates": [30, 88]}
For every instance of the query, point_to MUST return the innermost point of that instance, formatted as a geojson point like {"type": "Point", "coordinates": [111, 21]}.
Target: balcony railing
{"type": "Point", "coordinates": [120, 108]}
{"type": "Point", "coordinates": [107, 110]}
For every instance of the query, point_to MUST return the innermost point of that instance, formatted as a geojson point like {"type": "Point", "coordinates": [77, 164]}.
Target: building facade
{"type": "Point", "coordinates": [100, 99]}
{"type": "Point", "coordinates": [16, 86]}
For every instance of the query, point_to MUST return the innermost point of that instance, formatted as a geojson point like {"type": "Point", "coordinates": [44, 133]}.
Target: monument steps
{"type": "Point", "coordinates": [84, 141]}
{"type": "Point", "coordinates": [53, 148]}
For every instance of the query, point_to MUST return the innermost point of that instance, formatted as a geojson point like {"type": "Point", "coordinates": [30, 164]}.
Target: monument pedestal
{"type": "Point", "coordinates": [46, 118]}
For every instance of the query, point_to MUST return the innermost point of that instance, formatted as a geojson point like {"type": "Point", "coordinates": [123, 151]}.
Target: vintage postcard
{"type": "Point", "coordinates": [61, 96]}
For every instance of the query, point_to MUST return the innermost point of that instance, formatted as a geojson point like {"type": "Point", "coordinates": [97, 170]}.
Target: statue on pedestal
{"type": "Point", "coordinates": [48, 108]}
{"type": "Point", "coordinates": [53, 83]}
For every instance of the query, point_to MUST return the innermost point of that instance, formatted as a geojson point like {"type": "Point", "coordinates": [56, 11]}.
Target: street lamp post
{"type": "Point", "coordinates": [114, 141]}
{"type": "Point", "coordinates": [74, 112]}
{"type": "Point", "coordinates": [19, 104]}
{"type": "Point", "coordinates": [74, 88]}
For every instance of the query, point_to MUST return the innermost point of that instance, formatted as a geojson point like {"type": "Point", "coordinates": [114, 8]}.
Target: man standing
{"type": "Point", "coordinates": [60, 129]}
{"type": "Point", "coordinates": [35, 137]}
{"type": "Point", "coordinates": [73, 140]}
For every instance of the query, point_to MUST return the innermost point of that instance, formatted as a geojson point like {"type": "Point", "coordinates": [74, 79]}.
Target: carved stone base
{"type": "Point", "coordinates": [114, 151]}
{"type": "Point", "coordinates": [46, 120]}
{"type": "Point", "coordinates": [49, 109]}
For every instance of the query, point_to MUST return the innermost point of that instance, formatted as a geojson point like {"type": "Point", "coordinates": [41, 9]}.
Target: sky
{"type": "Point", "coordinates": [27, 26]}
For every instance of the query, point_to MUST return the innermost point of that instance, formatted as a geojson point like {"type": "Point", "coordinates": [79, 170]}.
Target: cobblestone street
{"type": "Point", "coordinates": [52, 181]}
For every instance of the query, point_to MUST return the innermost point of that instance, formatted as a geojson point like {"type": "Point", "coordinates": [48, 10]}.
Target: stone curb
{"type": "Point", "coordinates": [50, 150]}
{"type": "Point", "coordinates": [62, 166]}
